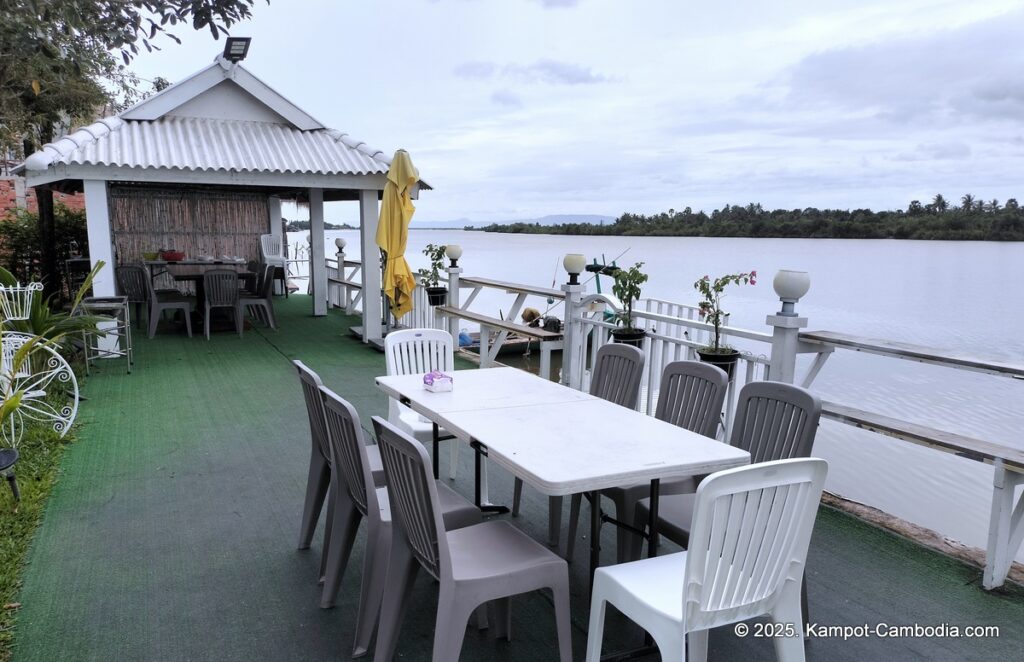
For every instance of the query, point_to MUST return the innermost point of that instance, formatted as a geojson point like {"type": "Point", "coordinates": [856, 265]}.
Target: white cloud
{"type": "Point", "coordinates": [512, 109]}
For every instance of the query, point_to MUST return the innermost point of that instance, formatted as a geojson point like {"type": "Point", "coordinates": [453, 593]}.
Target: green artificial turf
{"type": "Point", "coordinates": [40, 451]}
{"type": "Point", "coordinates": [172, 531]}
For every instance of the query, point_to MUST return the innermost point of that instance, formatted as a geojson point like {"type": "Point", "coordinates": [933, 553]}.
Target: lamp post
{"type": "Point", "coordinates": [454, 252]}
{"type": "Point", "coordinates": [791, 286]}
{"type": "Point", "coordinates": [339, 243]}
{"type": "Point", "coordinates": [574, 264]}
{"type": "Point", "coordinates": [572, 355]}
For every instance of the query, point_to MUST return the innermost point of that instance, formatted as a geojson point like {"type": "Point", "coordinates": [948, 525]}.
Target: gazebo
{"type": "Point", "coordinates": [206, 163]}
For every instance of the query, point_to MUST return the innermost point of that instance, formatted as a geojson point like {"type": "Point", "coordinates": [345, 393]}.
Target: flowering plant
{"type": "Point", "coordinates": [711, 302]}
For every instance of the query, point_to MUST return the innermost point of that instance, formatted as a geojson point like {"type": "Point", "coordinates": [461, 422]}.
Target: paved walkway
{"type": "Point", "coordinates": [171, 534]}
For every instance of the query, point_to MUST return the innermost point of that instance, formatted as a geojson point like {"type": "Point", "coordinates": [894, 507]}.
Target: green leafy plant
{"type": "Point", "coordinates": [432, 277]}
{"type": "Point", "coordinates": [627, 288]}
{"type": "Point", "coordinates": [711, 292]}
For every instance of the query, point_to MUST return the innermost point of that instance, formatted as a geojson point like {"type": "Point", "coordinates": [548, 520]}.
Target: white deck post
{"type": "Point", "coordinates": [97, 214]}
{"type": "Point", "coordinates": [785, 337]}
{"type": "Point", "coordinates": [317, 258]}
{"type": "Point", "coordinates": [368, 219]}
{"type": "Point", "coordinates": [791, 286]}
{"type": "Point", "coordinates": [1006, 526]}
{"type": "Point", "coordinates": [342, 288]}
{"type": "Point", "coordinates": [274, 220]}
{"type": "Point", "coordinates": [572, 350]}
{"type": "Point", "coordinates": [453, 302]}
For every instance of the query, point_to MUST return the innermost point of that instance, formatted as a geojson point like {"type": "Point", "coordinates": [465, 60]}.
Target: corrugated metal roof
{"type": "Point", "coordinates": [204, 144]}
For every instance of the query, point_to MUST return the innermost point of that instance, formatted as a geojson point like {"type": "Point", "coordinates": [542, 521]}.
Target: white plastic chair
{"type": "Point", "coordinates": [691, 397]}
{"type": "Point", "coordinates": [618, 370]}
{"type": "Point", "coordinates": [272, 253]}
{"type": "Point", "coordinates": [748, 544]}
{"type": "Point", "coordinates": [410, 352]}
{"type": "Point", "coordinates": [272, 250]}
{"type": "Point", "coordinates": [485, 563]}
{"type": "Point", "coordinates": [354, 498]}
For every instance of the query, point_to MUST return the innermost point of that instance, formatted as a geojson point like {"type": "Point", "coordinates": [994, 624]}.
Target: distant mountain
{"type": "Point", "coordinates": [552, 219]}
{"type": "Point", "coordinates": [457, 224]}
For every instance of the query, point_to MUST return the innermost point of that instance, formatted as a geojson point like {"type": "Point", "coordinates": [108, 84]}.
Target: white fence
{"type": "Point", "coordinates": [669, 339]}
{"type": "Point", "coordinates": [674, 332]}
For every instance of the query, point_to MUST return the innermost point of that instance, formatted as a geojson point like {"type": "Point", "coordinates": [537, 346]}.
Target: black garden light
{"type": "Point", "coordinates": [236, 48]}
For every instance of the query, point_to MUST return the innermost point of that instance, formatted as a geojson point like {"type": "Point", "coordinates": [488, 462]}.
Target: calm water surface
{"type": "Point", "coordinates": [964, 296]}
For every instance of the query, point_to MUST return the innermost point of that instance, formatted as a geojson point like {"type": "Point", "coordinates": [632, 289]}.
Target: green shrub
{"type": "Point", "coordinates": [21, 244]}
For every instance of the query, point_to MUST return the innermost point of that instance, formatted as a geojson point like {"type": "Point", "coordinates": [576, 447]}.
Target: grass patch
{"type": "Point", "coordinates": [40, 451]}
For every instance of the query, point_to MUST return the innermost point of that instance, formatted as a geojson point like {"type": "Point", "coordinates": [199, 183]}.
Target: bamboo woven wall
{"type": "Point", "coordinates": [196, 221]}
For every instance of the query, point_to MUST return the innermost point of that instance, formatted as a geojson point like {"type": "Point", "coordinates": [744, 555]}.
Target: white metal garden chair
{"type": "Point", "coordinates": [751, 529]}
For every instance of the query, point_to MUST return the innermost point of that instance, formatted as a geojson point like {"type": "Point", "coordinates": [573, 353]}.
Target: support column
{"type": "Point", "coordinates": [101, 247]}
{"type": "Point", "coordinates": [785, 338]}
{"type": "Point", "coordinates": [317, 263]}
{"type": "Point", "coordinates": [369, 216]}
{"type": "Point", "coordinates": [274, 209]}
{"type": "Point", "coordinates": [274, 219]}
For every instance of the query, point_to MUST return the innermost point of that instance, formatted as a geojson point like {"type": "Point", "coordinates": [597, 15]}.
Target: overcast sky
{"type": "Point", "coordinates": [522, 108]}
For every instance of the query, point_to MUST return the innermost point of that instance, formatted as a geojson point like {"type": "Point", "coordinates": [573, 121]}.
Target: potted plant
{"type": "Point", "coordinates": [430, 278]}
{"type": "Point", "coordinates": [627, 288]}
{"type": "Point", "coordinates": [717, 353]}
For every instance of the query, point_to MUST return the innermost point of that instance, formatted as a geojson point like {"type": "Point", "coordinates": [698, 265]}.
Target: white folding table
{"type": "Point", "coordinates": [562, 441]}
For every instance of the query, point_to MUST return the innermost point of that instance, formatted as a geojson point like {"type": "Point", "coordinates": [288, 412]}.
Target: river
{"type": "Point", "coordinates": [964, 296]}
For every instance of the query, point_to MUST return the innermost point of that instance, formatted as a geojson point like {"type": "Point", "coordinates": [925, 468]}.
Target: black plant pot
{"type": "Point", "coordinates": [724, 360]}
{"type": "Point", "coordinates": [437, 296]}
{"type": "Point", "coordinates": [633, 337]}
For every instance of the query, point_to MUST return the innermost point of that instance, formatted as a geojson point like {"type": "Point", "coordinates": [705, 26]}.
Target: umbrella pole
{"type": "Point", "coordinates": [385, 305]}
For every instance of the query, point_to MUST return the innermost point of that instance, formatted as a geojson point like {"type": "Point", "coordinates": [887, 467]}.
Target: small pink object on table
{"type": "Point", "coordinates": [437, 382]}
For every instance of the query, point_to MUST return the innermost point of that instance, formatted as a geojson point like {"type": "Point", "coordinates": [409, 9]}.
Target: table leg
{"type": "Point", "coordinates": [652, 522]}
{"type": "Point", "coordinates": [437, 444]}
{"type": "Point", "coordinates": [479, 452]}
{"type": "Point", "coordinates": [648, 647]}
{"type": "Point", "coordinates": [595, 534]}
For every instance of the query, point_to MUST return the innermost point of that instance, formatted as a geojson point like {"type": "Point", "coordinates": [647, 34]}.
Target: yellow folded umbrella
{"type": "Point", "coordinates": [396, 212]}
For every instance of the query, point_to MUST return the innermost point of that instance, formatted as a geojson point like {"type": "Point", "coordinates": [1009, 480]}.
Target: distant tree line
{"type": "Point", "coordinates": [298, 226]}
{"type": "Point", "coordinates": [973, 219]}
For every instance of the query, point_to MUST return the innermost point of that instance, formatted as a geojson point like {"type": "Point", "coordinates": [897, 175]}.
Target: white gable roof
{"type": "Point", "coordinates": [196, 85]}
{"type": "Point", "coordinates": [201, 144]}
{"type": "Point", "coordinates": [220, 125]}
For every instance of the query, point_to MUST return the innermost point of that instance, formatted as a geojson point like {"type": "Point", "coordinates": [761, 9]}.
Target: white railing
{"type": "Point", "coordinates": [298, 260]}
{"type": "Point", "coordinates": [344, 284]}
{"type": "Point", "coordinates": [675, 339]}
{"type": "Point", "coordinates": [422, 315]}
{"type": "Point", "coordinates": [674, 332]}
